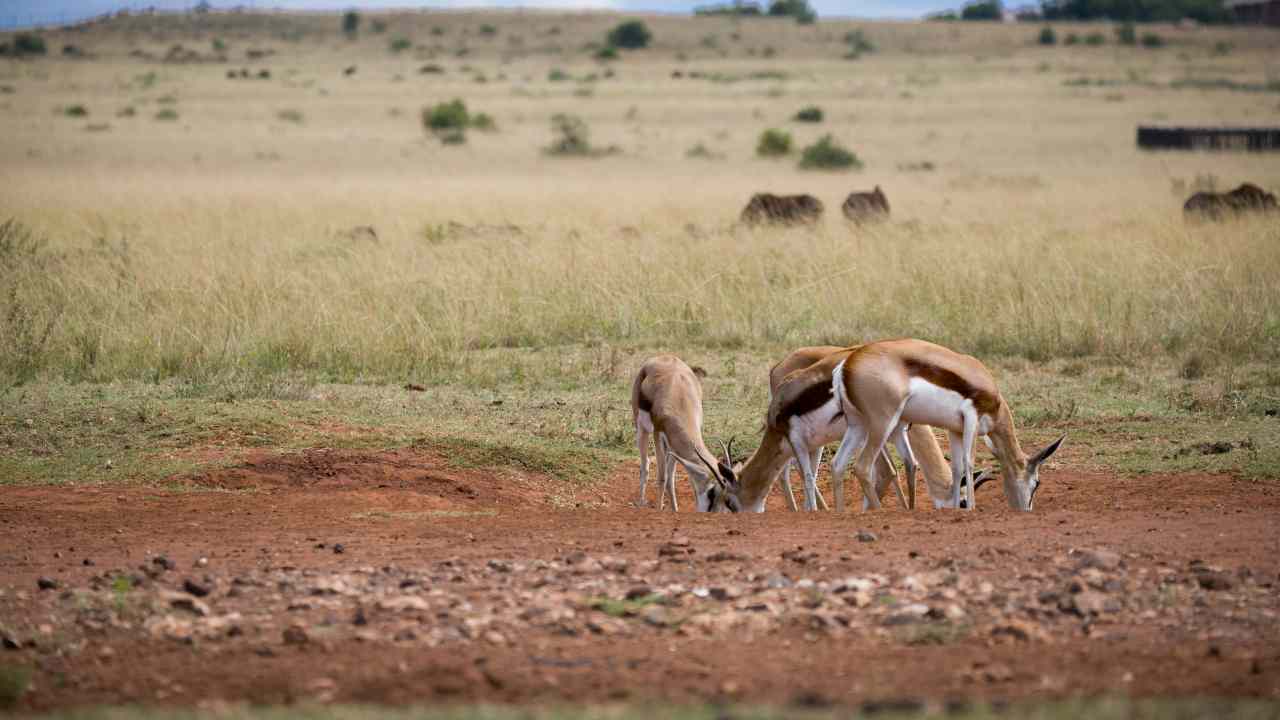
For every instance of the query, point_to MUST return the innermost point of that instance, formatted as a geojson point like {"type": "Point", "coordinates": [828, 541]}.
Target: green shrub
{"type": "Point", "coordinates": [557, 75]}
{"type": "Point", "coordinates": [483, 122]}
{"type": "Point", "coordinates": [798, 9]}
{"type": "Point", "coordinates": [1152, 40]}
{"type": "Point", "coordinates": [1071, 39]}
{"type": "Point", "coordinates": [858, 44]}
{"type": "Point", "coordinates": [28, 44]}
{"type": "Point", "coordinates": [982, 10]}
{"type": "Point", "coordinates": [630, 35]}
{"type": "Point", "coordinates": [431, 69]}
{"type": "Point", "coordinates": [350, 22]}
{"type": "Point", "coordinates": [167, 115]}
{"type": "Point", "coordinates": [811, 114]}
{"type": "Point", "coordinates": [76, 111]}
{"type": "Point", "coordinates": [773, 143]}
{"type": "Point", "coordinates": [218, 45]}
{"type": "Point", "coordinates": [291, 116]}
{"type": "Point", "coordinates": [1095, 39]}
{"type": "Point", "coordinates": [1222, 47]}
{"type": "Point", "coordinates": [571, 136]}
{"type": "Point", "coordinates": [488, 30]}
{"type": "Point", "coordinates": [1048, 36]}
{"type": "Point", "coordinates": [827, 154]}
{"type": "Point", "coordinates": [446, 118]}
{"type": "Point", "coordinates": [606, 53]}
{"type": "Point", "coordinates": [400, 44]}
{"type": "Point", "coordinates": [1126, 34]}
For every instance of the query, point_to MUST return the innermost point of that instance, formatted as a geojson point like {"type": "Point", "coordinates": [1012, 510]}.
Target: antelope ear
{"type": "Point", "coordinates": [1044, 454]}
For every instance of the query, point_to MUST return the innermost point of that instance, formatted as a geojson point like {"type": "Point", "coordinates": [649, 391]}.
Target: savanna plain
{"type": "Point", "coordinates": [307, 407]}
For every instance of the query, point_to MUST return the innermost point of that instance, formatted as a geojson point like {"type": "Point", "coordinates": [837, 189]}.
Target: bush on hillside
{"type": "Point", "coordinates": [827, 154]}
{"type": "Point", "coordinates": [630, 35]}
{"type": "Point", "coordinates": [773, 143]}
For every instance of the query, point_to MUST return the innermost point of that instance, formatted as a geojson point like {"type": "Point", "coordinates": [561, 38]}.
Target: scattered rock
{"type": "Point", "coordinates": [339, 548]}
{"type": "Point", "coordinates": [46, 583]}
{"type": "Point", "coordinates": [163, 563]}
{"type": "Point", "coordinates": [195, 588]}
{"type": "Point", "coordinates": [866, 536]}
{"type": "Point", "coordinates": [726, 556]}
{"type": "Point", "coordinates": [184, 602]}
{"type": "Point", "coordinates": [1099, 558]}
{"type": "Point", "coordinates": [639, 591]}
{"type": "Point", "coordinates": [1212, 580]}
{"type": "Point", "coordinates": [295, 635]}
{"type": "Point", "coordinates": [1018, 631]}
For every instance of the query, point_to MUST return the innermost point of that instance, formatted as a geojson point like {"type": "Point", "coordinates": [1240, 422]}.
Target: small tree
{"type": "Point", "coordinates": [29, 44]}
{"type": "Point", "coordinates": [773, 143]}
{"type": "Point", "coordinates": [1048, 36]}
{"type": "Point", "coordinates": [1126, 34]}
{"type": "Point", "coordinates": [400, 44]}
{"type": "Point", "coordinates": [571, 135]}
{"type": "Point", "coordinates": [798, 9]}
{"type": "Point", "coordinates": [827, 154]}
{"type": "Point", "coordinates": [982, 10]}
{"type": "Point", "coordinates": [447, 121]}
{"type": "Point", "coordinates": [630, 35]}
{"type": "Point", "coordinates": [811, 114]}
{"type": "Point", "coordinates": [351, 22]}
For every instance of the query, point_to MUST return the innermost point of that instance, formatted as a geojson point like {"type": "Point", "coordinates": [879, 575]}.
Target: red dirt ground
{"type": "Point", "coordinates": [405, 513]}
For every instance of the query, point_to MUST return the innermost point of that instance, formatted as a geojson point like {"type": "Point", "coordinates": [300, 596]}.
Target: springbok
{"type": "Point", "coordinates": [925, 451]}
{"type": "Point", "coordinates": [892, 382]}
{"type": "Point", "coordinates": [666, 404]}
{"type": "Point", "coordinates": [804, 415]}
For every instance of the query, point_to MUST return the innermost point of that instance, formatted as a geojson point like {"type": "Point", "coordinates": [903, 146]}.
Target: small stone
{"type": "Point", "coordinates": [295, 635]}
{"type": "Point", "coordinates": [725, 556]}
{"type": "Point", "coordinates": [494, 638]}
{"type": "Point", "coordinates": [638, 592]}
{"type": "Point", "coordinates": [186, 603]}
{"type": "Point", "coordinates": [866, 536]}
{"type": "Point", "coordinates": [777, 582]}
{"type": "Point", "coordinates": [339, 548]}
{"type": "Point", "coordinates": [1210, 580]}
{"type": "Point", "coordinates": [656, 615]}
{"type": "Point", "coordinates": [195, 588]}
{"type": "Point", "coordinates": [1089, 603]}
{"type": "Point", "coordinates": [202, 562]}
{"type": "Point", "coordinates": [163, 563]}
{"type": "Point", "coordinates": [87, 562]}
{"type": "Point", "coordinates": [1099, 558]}
{"type": "Point", "coordinates": [499, 566]}
{"type": "Point", "coordinates": [45, 583]}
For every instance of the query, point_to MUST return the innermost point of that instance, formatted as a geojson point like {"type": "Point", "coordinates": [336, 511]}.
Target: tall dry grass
{"type": "Point", "coordinates": [213, 299]}
{"type": "Point", "coordinates": [218, 244]}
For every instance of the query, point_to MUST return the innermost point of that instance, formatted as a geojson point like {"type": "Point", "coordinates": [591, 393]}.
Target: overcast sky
{"type": "Point", "coordinates": [22, 12]}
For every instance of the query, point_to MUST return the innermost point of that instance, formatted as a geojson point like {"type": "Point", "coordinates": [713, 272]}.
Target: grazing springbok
{"type": "Point", "coordinates": [666, 404]}
{"type": "Point", "coordinates": [892, 382]}
{"type": "Point", "coordinates": [925, 451]}
{"type": "Point", "coordinates": [799, 425]}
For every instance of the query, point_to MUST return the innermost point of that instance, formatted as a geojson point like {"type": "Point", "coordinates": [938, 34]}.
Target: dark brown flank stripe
{"type": "Point", "coordinates": [643, 402]}
{"type": "Point", "coordinates": [986, 403]}
{"type": "Point", "coordinates": [813, 397]}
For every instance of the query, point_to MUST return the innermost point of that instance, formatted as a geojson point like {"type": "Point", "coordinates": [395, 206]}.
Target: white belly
{"type": "Point", "coordinates": [821, 426]}
{"type": "Point", "coordinates": [929, 404]}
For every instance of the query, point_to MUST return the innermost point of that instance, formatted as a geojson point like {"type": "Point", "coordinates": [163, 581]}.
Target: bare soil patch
{"type": "Point", "coordinates": [392, 577]}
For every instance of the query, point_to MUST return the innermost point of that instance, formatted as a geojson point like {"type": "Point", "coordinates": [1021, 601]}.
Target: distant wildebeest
{"type": "Point", "coordinates": [1216, 206]}
{"type": "Point", "coordinates": [782, 209]}
{"type": "Point", "coordinates": [863, 207]}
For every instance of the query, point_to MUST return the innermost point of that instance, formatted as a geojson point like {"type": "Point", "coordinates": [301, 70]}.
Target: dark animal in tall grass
{"type": "Point", "coordinates": [1248, 198]}
{"type": "Point", "coordinates": [866, 207]}
{"type": "Point", "coordinates": [782, 210]}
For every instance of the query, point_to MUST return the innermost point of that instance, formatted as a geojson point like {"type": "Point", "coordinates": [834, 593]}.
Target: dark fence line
{"type": "Point", "coordinates": [1248, 139]}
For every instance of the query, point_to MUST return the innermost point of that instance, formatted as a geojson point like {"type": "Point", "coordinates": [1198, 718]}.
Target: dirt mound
{"type": "Point", "coordinates": [427, 478]}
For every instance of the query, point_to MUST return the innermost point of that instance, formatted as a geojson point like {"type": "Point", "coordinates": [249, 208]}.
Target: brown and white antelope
{"type": "Point", "coordinates": [892, 382]}
{"type": "Point", "coordinates": [804, 415]}
{"type": "Point", "coordinates": [666, 405]}
{"type": "Point", "coordinates": [921, 449]}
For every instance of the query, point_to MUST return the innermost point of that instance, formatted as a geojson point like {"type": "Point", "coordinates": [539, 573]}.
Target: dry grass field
{"type": "Point", "coordinates": [187, 284]}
